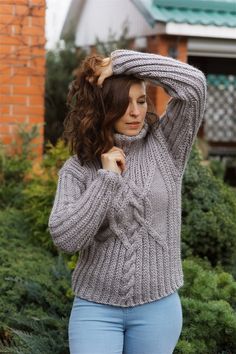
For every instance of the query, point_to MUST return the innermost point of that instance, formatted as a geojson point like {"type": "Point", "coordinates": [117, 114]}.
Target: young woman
{"type": "Point", "coordinates": [118, 201]}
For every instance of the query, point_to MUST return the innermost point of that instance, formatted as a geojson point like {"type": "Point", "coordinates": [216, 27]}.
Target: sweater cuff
{"type": "Point", "coordinates": [117, 58]}
{"type": "Point", "coordinates": [113, 179]}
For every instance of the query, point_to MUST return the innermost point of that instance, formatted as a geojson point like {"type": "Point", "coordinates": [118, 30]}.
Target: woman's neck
{"type": "Point", "coordinates": [126, 142]}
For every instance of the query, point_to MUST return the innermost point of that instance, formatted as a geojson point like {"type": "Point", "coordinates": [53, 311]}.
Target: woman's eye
{"type": "Point", "coordinates": [142, 102]}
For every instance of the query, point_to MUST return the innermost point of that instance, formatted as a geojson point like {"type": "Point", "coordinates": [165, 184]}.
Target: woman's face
{"type": "Point", "coordinates": [135, 112]}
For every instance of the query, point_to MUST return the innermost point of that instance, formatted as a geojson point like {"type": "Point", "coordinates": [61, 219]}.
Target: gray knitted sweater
{"type": "Point", "coordinates": [127, 227]}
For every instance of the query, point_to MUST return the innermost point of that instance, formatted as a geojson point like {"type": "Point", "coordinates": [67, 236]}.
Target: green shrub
{"type": "Point", "coordinates": [60, 65]}
{"type": "Point", "coordinates": [218, 168]}
{"type": "Point", "coordinates": [39, 194]}
{"type": "Point", "coordinates": [208, 215]}
{"type": "Point", "coordinates": [33, 286]}
{"type": "Point", "coordinates": [14, 167]}
{"type": "Point", "coordinates": [208, 299]}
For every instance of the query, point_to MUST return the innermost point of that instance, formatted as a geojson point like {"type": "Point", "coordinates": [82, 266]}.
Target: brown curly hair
{"type": "Point", "coordinates": [89, 124]}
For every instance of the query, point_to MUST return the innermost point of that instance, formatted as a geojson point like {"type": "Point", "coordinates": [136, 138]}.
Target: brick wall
{"type": "Point", "coordinates": [165, 45]}
{"type": "Point", "coordinates": [22, 68]}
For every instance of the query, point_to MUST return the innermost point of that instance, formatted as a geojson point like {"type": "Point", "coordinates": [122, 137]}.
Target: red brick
{"type": "Point", "coordinates": [6, 29]}
{"type": "Point", "coordinates": [5, 80]}
{"type": "Point", "coordinates": [21, 10]}
{"type": "Point", "coordinates": [38, 11]}
{"type": "Point", "coordinates": [6, 139]}
{"type": "Point", "coordinates": [25, 21]}
{"type": "Point", "coordinates": [24, 2]}
{"type": "Point", "coordinates": [4, 129]}
{"type": "Point", "coordinates": [5, 49]}
{"type": "Point", "coordinates": [14, 119]}
{"type": "Point", "coordinates": [9, 19]}
{"type": "Point", "coordinates": [31, 52]}
{"type": "Point", "coordinates": [27, 90]}
{"type": "Point", "coordinates": [160, 45]}
{"type": "Point", "coordinates": [33, 30]}
{"type": "Point", "coordinates": [37, 42]}
{"type": "Point", "coordinates": [22, 54]}
{"type": "Point", "coordinates": [19, 80]}
{"type": "Point", "coordinates": [37, 80]}
{"type": "Point", "coordinates": [4, 69]}
{"type": "Point", "coordinates": [39, 153]}
{"type": "Point", "coordinates": [39, 52]}
{"type": "Point", "coordinates": [24, 70]}
{"type": "Point", "coordinates": [5, 90]}
{"type": "Point", "coordinates": [36, 119]}
{"type": "Point", "coordinates": [39, 2]}
{"type": "Point", "coordinates": [38, 140]}
{"type": "Point", "coordinates": [38, 21]}
{"type": "Point", "coordinates": [16, 79]}
{"type": "Point", "coordinates": [13, 128]}
{"type": "Point", "coordinates": [17, 62]}
{"type": "Point", "coordinates": [36, 100]}
{"type": "Point", "coordinates": [16, 29]}
{"type": "Point", "coordinates": [183, 55]}
{"type": "Point", "coordinates": [36, 70]}
{"type": "Point", "coordinates": [6, 9]}
{"type": "Point", "coordinates": [7, 119]}
{"type": "Point", "coordinates": [4, 109]}
{"type": "Point", "coordinates": [39, 61]}
{"type": "Point", "coordinates": [10, 40]}
{"type": "Point", "coordinates": [28, 110]}
{"type": "Point", "coordinates": [14, 100]}
{"type": "Point", "coordinates": [41, 129]}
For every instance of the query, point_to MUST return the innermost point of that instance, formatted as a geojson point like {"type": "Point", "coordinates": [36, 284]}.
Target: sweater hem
{"type": "Point", "coordinates": [158, 297]}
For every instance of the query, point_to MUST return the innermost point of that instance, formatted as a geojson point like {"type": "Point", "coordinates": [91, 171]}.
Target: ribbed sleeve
{"type": "Point", "coordinates": [76, 216]}
{"type": "Point", "coordinates": [187, 86]}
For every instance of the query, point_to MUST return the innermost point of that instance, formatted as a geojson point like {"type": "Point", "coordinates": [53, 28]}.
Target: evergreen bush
{"type": "Point", "coordinates": [208, 214]}
{"type": "Point", "coordinates": [39, 194]}
{"type": "Point", "coordinates": [33, 285]}
{"type": "Point", "coordinates": [14, 167]}
{"type": "Point", "coordinates": [60, 67]}
{"type": "Point", "coordinates": [208, 299]}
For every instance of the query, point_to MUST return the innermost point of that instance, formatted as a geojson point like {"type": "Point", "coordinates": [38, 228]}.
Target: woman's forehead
{"type": "Point", "coordinates": [137, 89]}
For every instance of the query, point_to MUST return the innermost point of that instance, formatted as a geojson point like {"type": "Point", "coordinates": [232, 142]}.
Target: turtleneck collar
{"type": "Point", "coordinates": [126, 141]}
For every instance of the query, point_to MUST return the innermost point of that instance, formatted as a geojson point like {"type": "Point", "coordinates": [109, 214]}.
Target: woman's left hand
{"type": "Point", "coordinates": [104, 71]}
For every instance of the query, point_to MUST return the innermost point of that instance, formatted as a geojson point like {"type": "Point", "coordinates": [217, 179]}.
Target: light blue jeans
{"type": "Point", "coordinates": [150, 328]}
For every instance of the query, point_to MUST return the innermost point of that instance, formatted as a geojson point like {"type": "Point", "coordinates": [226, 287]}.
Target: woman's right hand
{"type": "Point", "coordinates": [104, 71]}
{"type": "Point", "coordinates": [114, 160]}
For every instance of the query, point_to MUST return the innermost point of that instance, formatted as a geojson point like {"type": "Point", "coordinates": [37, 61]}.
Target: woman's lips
{"type": "Point", "coordinates": [133, 125]}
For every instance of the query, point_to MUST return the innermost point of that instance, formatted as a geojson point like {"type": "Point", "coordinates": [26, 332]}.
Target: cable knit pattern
{"type": "Point", "coordinates": [127, 227]}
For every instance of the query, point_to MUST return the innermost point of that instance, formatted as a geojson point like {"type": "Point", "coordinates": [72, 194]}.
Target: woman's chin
{"type": "Point", "coordinates": [129, 131]}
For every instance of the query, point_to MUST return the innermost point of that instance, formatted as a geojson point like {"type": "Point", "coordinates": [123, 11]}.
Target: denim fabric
{"type": "Point", "coordinates": [150, 328]}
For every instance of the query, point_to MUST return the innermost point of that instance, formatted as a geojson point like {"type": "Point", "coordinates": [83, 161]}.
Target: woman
{"type": "Point", "coordinates": [118, 201]}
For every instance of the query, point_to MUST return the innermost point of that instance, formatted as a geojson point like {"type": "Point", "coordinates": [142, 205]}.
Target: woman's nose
{"type": "Point", "coordinates": [134, 110]}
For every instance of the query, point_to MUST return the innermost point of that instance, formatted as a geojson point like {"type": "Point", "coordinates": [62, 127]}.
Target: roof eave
{"type": "Point", "coordinates": [72, 19]}
{"type": "Point", "coordinates": [185, 29]}
{"type": "Point", "coordinates": [145, 6]}
{"type": "Point", "coordinates": [217, 5]}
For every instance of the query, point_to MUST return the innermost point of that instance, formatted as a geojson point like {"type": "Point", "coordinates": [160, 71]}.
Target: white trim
{"type": "Point", "coordinates": [207, 47]}
{"type": "Point", "coordinates": [183, 29]}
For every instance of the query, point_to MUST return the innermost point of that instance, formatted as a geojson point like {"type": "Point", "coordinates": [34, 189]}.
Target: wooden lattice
{"type": "Point", "coordinates": [220, 114]}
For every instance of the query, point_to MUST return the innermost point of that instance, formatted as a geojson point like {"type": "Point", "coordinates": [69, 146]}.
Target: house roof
{"type": "Point", "coordinates": [193, 12]}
